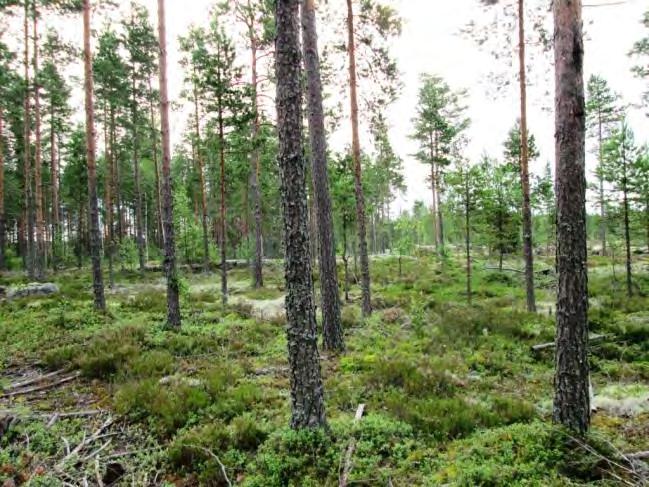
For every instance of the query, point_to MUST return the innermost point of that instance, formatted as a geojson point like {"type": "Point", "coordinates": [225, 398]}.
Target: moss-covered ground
{"type": "Point", "coordinates": [453, 393]}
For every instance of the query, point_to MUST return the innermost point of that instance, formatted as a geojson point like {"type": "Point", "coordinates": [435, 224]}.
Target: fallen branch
{"type": "Point", "coordinates": [641, 455]}
{"type": "Point", "coordinates": [344, 477]}
{"type": "Point", "coordinates": [85, 442]}
{"type": "Point", "coordinates": [591, 339]}
{"type": "Point", "coordinates": [42, 388]}
{"type": "Point", "coordinates": [518, 271]}
{"type": "Point", "coordinates": [34, 380]}
{"type": "Point", "coordinates": [215, 457]}
{"type": "Point", "coordinates": [98, 450]}
{"type": "Point", "coordinates": [53, 417]}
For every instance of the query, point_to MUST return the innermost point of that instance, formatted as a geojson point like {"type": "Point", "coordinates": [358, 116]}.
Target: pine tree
{"type": "Point", "coordinates": [173, 284]}
{"type": "Point", "coordinates": [256, 15]}
{"type": "Point", "coordinates": [56, 55]}
{"type": "Point", "coordinates": [619, 155]}
{"type": "Point", "coordinates": [307, 397]}
{"type": "Point", "coordinates": [140, 43]}
{"type": "Point", "coordinates": [194, 47]}
{"type": "Point", "coordinates": [95, 236]}
{"type": "Point", "coordinates": [331, 321]}
{"type": "Point", "coordinates": [640, 51]}
{"type": "Point", "coordinates": [439, 121]}
{"type": "Point", "coordinates": [601, 113]}
{"type": "Point", "coordinates": [571, 382]}
{"type": "Point", "coordinates": [361, 224]}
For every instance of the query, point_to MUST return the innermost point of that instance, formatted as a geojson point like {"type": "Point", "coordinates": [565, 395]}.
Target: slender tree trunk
{"type": "Point", "coordinates": [117, 193]}
{"type": "Point", "coordinates": [108, 197]}
{"type": "Point", "coordinates": [356, 153]}
{"type": "Point", "coordinates": [173, 287]}
{"type": "Point", "coordinates": [223, 236]}
{"type": "Point", "coordinates": [95, 237]}
{"type": "Point", "coordinates": [114, 185]}
{"type": "Point", "coordinates": [56, 214]}
{"type": "Point", "coordinates": [307, 394]}
{"type": "Point", "coordinates": [627, 224]}
{"type": "Point", "coordinates": [571, 382]}
{"type": "Point", "coordinates": [600, 177]}
{"type": "Point", "coordinates": [467, 229]}
{"type": "Point", "coordinates": [332, 331]}
{"type": "Point", "coordinates": [528, 249]}
{"type": "Point", "coordinates": [433, 187]}
{"type": "Point", "coordinates": [257, 272]}
{"type": "Point", "coordinates": [2, 195]}
{"type": "Point", "coordinates": [440, 215]}
{"type": "Point", "coordinates": [38, 161]}
{"type": "Point", "coordinates": [139, 231]}
{"type": "Point", "coordinates": [646, 220]}
{"type": "Point", "coordinates": [201, 181]}
{"type": "Point", "coordinates": [154, 149]}
{"type": "Point", "coordinates": [79, 246]}
{"type": "Point", "coordinates": [345, 260]}
{"type": "Point", "coordinates": [27, 164]}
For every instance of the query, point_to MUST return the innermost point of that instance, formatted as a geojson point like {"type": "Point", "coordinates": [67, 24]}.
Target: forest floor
{"type": "Point", "coordinates": [453, 394]}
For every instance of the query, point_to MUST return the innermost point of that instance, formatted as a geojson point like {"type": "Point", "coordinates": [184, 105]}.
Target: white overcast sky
{"type": "Point", "coordinates": [430, 43]}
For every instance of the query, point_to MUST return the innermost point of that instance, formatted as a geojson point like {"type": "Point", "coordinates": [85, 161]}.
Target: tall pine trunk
{"type": "Point", "coordinates": [571, 382]}
{"type": "Point", "coordinates": [93, 213]}
{"type": "Point", "coordinates": [154, 149]}
{"type": "Point", "coordinates": [625, 208]}
{"type": "Point", "coordinates": [255, 190]}
{"type": "Point", "coordinates": [2, 195]}
{"type": "Point", "coordinates": [173, 285]}
{"type": "Point", "coordinates": [108, 196]}
{"type": "Point", "coordinates": [114, 190]}
{"type": "Point", "coordinates": [467, 229]}
{"type": "Point", "coordinates": [222, 235]}
{"type": "Point", "coordinates": [201, 181]}
{"type": "Point", "coordinates": [139, 221]}
{"type": "Point", "coordinates": [345, 259]}
{"type": "Point", "coordinates": [356, 153]}
{"type": "Point", "coordinates": [56, 215]}
{"type": "Point", "coordinates": [307, 395]}
{"type": "Point", "coordinates": [38, 162]}
{"type": "Point", "coordinates": [332, 331]}
{"type": "Point", "coordinates": [528, 249]}
{"type": "Point", "coordinates": [600, 178]}
{"type": "Point", "coordinates": [27, 164]}
{"type": "Point", "coordinates": [440, 215]}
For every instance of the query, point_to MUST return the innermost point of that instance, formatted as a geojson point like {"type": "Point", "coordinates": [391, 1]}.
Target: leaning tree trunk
{"type": "Point", "coordinates": [38, 162]}
{"type": "Point", "coordinates": [571, 383]}
{"type": "Point", "coordinates": [307, 395]}
{"type": "Point", "coordinates": [95, 237]}
{"type": "Point", "coordinates": [2, 196]}
{"type": "Point", "coordinates": [332, 331]}
{"type": "Point", "coordinates": [528, 250]}
{"type": "Point", "coordinates": [257, 271]}
{"type": "Point", "coordinates": [173, 285]}
{"type": "Point", "coordinates": [356, 153]}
